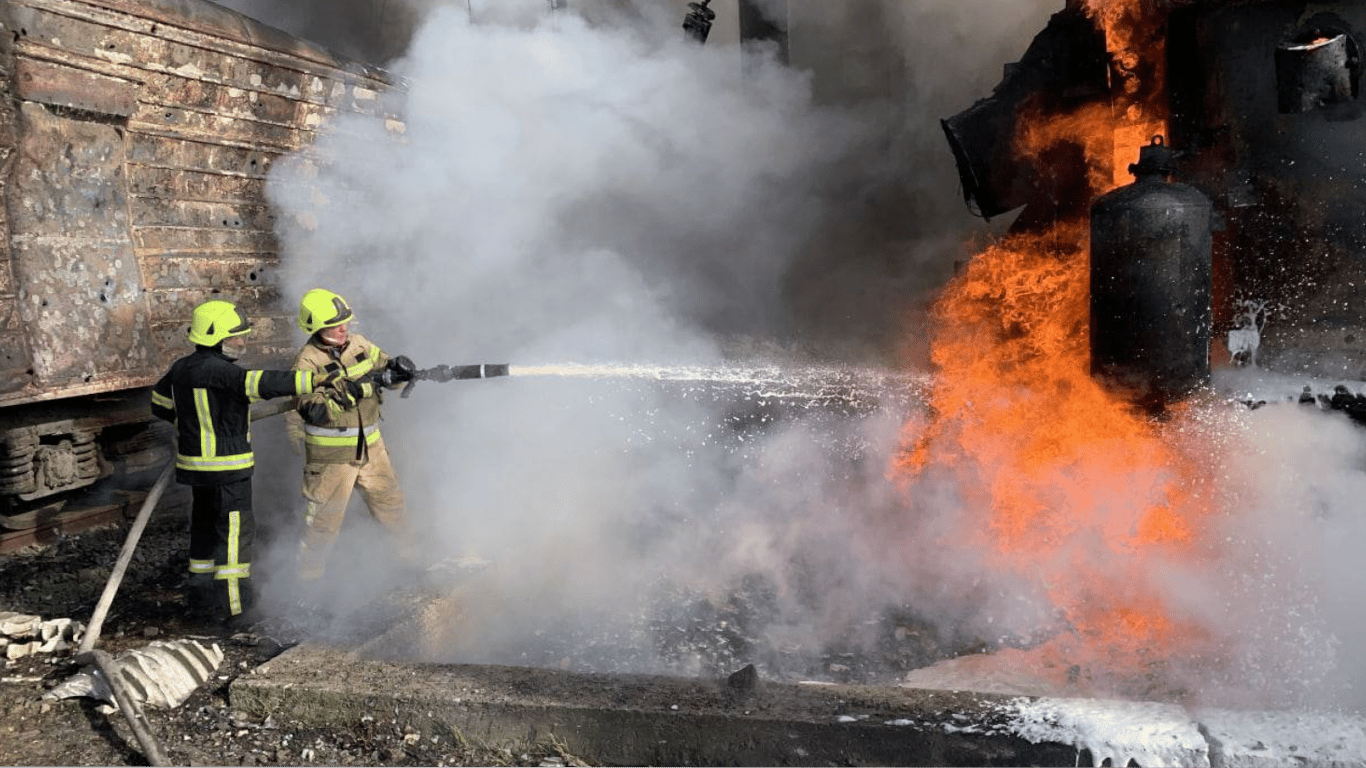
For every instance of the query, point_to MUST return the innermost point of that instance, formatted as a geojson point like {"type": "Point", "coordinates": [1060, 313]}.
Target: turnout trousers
{"type": "Point", "coordinates": [222, 530]}
{"type": "Point", "coordinates": [327, 490]}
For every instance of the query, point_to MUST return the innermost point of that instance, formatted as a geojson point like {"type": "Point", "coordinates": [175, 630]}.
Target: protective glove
{"type": "Point", "coordinates": [348, 393]}
{"type": "Point", "coordinates": [326, 384]}
{"type": "Point", "coordinates": [313, 412]}
{"type": "Point", "coordinates": [399, 370]}
{"type": "Point", "coordinates": [342, 396]}
{"type": "Point", "coordinates": [358, 390]}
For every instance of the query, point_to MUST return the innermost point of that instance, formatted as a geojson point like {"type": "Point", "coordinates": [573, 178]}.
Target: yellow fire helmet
{"type": "Point", "coordinates": [216, 320]}
{"type": "Point", "coordinates": [321, 308]}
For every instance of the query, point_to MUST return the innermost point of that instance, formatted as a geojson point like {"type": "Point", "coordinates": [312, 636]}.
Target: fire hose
{"type": "Point", "coordinates": [151, 748]}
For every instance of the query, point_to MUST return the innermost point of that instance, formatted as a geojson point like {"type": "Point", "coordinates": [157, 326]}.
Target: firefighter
{"type": "Point", "coordinates": [339, 428]}
{"type": "Point", "coordinates": [207, 396]}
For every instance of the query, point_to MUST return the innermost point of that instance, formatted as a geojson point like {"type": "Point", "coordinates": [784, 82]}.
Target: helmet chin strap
{"type": "Point", "coordinates": [325, 337]}
{"type": "Point", "coordinates": [231, 351]}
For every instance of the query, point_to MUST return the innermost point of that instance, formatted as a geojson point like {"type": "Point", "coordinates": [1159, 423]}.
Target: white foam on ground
{"type": "Point", "coordinates": [1148, 733]}
{"type": "Point", "coordinates": [1050, 708]}
{"type": "Point", "coordinates": [1157, 734]}
{"type": "Point", "coordinates": [1257, 739]}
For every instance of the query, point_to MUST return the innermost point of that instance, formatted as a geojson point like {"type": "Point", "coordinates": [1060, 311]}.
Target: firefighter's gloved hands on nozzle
{"type": "Point", "coordinates": [340, 394]}
{"type": "Point", "coordinates": [399, 370]}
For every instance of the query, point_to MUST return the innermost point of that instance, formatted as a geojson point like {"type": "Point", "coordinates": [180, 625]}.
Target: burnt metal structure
{"type": "Point", "coordinates": [1064, 68]}
{"type": "Point", "coordinates": [135, 140]}
{"type": "Point", "coordinates": [765, 22]}
{"type": "Point", "coordinates": [1151, 283]}
{"type": "Point", "coordinates": [1264, 100]}
{"type": "Point", "coordinates": [698, 21]}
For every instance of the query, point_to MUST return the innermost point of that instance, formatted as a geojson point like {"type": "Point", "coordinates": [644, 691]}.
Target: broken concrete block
{"type": "Point", "coordinates": [22, 634]}
{"type": "Point", "coordinates": [14, 624]}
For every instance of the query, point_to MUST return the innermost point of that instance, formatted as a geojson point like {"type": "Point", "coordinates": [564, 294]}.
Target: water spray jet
{"type": "Point", "coordinates": [814, 384]}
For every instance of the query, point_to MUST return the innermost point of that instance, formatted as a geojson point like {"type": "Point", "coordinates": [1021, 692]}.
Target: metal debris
{"type": "Point", "coordinates": [453, 570]}
{"type": "Point", "coordinates": [22, 634]}
{"type": "Point", "coordinates": [162, 675]}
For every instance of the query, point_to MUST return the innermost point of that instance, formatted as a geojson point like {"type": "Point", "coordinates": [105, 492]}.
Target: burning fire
{"type": "Point", "coordinates": [1062, 481]}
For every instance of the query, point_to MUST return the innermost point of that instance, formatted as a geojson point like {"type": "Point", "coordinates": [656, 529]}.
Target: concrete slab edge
{"type": "Point", "coordinates": [643, 719]}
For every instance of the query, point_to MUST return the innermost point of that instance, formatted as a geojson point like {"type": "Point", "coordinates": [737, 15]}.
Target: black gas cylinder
{"type": "Point", "coordinates": [1151, 283]}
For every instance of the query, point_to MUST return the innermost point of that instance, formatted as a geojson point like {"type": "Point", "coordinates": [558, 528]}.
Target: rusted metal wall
{"type": "Point", "coordinates": [135, 139]}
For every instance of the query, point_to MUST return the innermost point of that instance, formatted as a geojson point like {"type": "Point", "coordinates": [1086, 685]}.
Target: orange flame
{"type": "Point", "coordinates": [1133, 35]}
{"type": "Point", "coordinates": [1063, 481]}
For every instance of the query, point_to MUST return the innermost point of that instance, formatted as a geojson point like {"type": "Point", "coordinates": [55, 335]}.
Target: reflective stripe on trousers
{"type": "Point", "coordinates": [233, 571]}
{"type": "Point", "coordinates": [222, 531]}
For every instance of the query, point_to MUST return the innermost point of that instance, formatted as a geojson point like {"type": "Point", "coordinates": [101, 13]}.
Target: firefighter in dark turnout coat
{"type": "Point", "coordinates": [207, 396]}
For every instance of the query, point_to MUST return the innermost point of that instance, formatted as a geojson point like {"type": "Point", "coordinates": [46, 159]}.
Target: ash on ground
{"type": "Point", "coordinates": [65, 580]}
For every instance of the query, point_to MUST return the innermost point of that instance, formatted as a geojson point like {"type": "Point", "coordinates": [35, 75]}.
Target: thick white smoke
{"type": "Point", "coordinates": [585, 185]}
{"type": "Point", "coordinates": [1292, 606]}
{"type": "Point", "coordinates": [594, 187]}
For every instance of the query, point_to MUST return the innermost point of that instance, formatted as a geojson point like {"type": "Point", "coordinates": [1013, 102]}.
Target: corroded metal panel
{"type": "Point", "coordinates": [178, 282]}
{"type": "Point", "coordinates": [208, 240]}
{"type": "Point", "coordinates": [58, 84]}
{"type": "Point", "coordinates": [14, 355]}
{"type": "Point", "coordinates": [215, 21]}
{"type": "Point", "coordinates": [148, 181]}
{"type": "Point", "coordinates": [164, 212]}
{"type": "Point", "coordinates": [136, 41]}
{"type": "Point", "coordinates": [227, 273]}
{"type": "Point", "coordinates": [175, 306]}
{"type": "Point", "coordinates": [69, 176]}
{"type": "Point", "coordinates": [14, 349]}
{"type": "Point", "coordinates": [226, 100]}
{"type": "Point", "coordinates": [13, 361]}
{"type": "Point", "coordinates": [177, 153]}
{"type": "Point", "coordinates": [82, 300]}
{"type": "Point", "coordinates": [145, 181]}
{"type": "Point", "coordinates": [192, 124]}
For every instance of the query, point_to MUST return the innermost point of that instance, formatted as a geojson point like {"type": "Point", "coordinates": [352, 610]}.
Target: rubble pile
{"type": "Point", "coordinates": [22, 634]}
{"type": "Point", "coordinates": [65, 579]}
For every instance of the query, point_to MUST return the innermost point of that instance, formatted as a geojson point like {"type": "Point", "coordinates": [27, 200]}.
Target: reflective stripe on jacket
{"type": "Point", "coordinates": [335, 440]}
{"type": "Point", "coordinates": [329, 436]}
{"type": "Point", "coordinates": [208, 397]}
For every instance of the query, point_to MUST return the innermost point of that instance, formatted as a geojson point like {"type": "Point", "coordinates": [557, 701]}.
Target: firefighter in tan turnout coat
{"type": "Point", "coordinates": [339, 428]}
